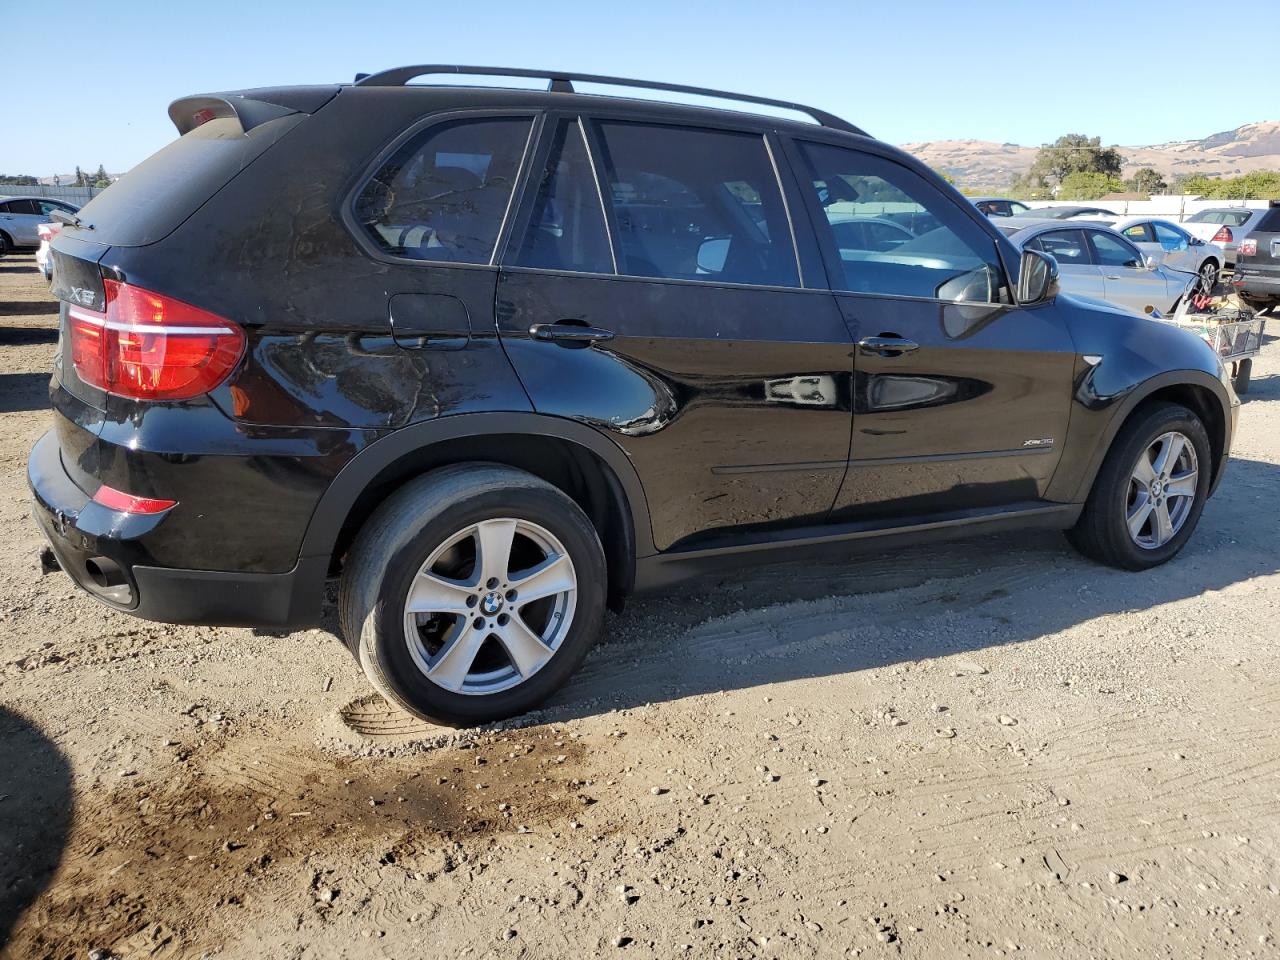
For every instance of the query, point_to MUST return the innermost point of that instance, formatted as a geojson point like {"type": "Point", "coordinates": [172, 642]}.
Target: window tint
{"type": "Point", "coordinates": [22, 206]}
{"type": "Point", "coordinates": [1018, 209]}
{"type": "Point", "coordinates": [443, 195]}
{"type": "Point", "coordinates": [1232, 218]}
{"type": "Point", "coordinates": [1270, 222]}
{"type": "Point", "coordinates": [1112, 251]}
{"type": "Point", "coordinates": [896, 234]}
{"type": "Point", "coordinates": [1139, 233]}
{"type": "Point", "coordinates": [567, 229]}
{"type": "Point", "coordinates": [696, 205]}
{"type": "Point", "coordinates": [1168, 236]}
{"type": "Point", "coordinates": [1065, 246]}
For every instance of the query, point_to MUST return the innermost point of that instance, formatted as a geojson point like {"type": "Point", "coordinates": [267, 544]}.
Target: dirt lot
{"type": "Point", "coordinates": [977, 749]}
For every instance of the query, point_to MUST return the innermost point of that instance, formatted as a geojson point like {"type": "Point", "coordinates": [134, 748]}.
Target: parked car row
{"type": "Point", "coordinates": [20, 219]}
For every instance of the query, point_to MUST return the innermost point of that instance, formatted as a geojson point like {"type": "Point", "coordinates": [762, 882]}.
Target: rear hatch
{"type": "Point", "coordinates": [1258, 258]}
{"type": "Point", "coordinates": [221, 135]}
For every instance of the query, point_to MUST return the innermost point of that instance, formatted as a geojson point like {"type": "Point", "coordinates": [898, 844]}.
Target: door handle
{"type": "Point", "coordinates": [569, 333]}
{"type": "Point", "coordinates": [886, 346]}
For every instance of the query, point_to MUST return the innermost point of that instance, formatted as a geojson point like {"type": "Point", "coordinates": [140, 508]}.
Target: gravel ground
{"type": "Point", "coordinates": [983, 748]}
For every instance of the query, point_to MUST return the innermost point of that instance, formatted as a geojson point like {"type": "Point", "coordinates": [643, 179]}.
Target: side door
{"type": "Point", "coordinates": [1176, 248]}
{"type": "Point", "coordinates": [652, 288]}
{"type": "Point", "coordinates": [18, 218]}
{"type": "Point", "coordinates": [961, 398]}
{"type": "Point", "coordinates": [1125, 276]}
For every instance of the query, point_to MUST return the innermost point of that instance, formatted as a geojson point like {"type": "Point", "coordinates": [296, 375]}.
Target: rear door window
{"type": "Point", "coordinates": [1168, 237]}
{"type": "Point", "coordinates": [444, 193]}
{"type": "Point", "coordinates": [567, 230]}
{"type": "Point", "coordinates": [27, 207]}
{"type": "Point", "coordinates": [1139, 233]}
{"type": "Point", "coordinates": [695, 204]}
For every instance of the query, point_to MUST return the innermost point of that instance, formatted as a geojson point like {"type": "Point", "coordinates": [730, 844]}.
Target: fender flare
{"type": "Point", "coordinates": [335, 505]}
{"type": "Point", "coordinates": [1130, 401]}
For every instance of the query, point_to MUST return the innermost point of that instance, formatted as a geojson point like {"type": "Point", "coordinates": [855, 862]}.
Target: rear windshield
{"type": "Point", "coordinates": [151, 200]}
{"type": "Point", "coordinates": [1270, 222]}
{"type": "Point", "coordinates": [1232, 218]}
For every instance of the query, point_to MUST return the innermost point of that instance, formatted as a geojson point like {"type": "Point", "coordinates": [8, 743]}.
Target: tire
{"type": "Point", "coordinates": [1102, 532]}
{"type": "Point", "coordinates": [1209, 273]}
{"type": "Point", "coordinates": [446, 513]}
{"type": "Point", "coordinates": [1244, 369]}
{"type": "Point", "coordinates": [6, 245]}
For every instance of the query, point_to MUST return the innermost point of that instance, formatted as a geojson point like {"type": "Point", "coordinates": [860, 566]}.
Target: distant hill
{"type": "Point", "coordinates": [991, 166]}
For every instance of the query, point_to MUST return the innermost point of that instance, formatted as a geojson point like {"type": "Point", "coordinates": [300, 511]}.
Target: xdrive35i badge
{"type": "Point", "coordinates": [1041, 442]}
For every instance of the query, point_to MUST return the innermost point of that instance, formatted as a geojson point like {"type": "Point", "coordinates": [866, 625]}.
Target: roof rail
{"type": "Point", "coordinates": [559, 81]}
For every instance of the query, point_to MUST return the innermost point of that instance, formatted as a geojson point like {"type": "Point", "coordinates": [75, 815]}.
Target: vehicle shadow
{"type": "Point", "coordinates": [28, 308]}
{"type": "Point", "coordinates": [23, 391]}
{"type": "Point", "coordinates": [802, 620]}
{"type": "Point", "coordinates": [27, 336]}
{"type": "Point", "coordinates": [35, 815]}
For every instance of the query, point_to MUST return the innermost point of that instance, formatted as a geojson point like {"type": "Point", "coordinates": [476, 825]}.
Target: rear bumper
{"type": "Point", "coordinates": [1257, 284]}
{"type": "Point", "coordinates": [102, 551]}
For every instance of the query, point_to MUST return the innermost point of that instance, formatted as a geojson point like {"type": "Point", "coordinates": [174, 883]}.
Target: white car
{"type": "Point", "coordinates": [19, 217]}
{"type": "Point", "coordinates": [1173, 246]}
{"type": "Point", "coordinates": [44, 257]}
{"type": "Point", "coordinates": [1224, 227]}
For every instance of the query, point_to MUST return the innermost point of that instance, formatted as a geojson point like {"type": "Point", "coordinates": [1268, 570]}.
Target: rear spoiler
{"type": "Point", "coordinates": [250, 107]}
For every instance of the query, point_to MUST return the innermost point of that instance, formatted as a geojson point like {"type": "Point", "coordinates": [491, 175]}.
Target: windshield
{"type": "Point", "coordinates": [1232, 218]}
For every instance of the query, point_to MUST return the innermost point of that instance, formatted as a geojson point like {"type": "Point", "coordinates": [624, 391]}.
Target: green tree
{"type": "Point", "coordinates": [101, 178]}
{"type": "Point", "coordinates": [1070, 153]}
{"type": "Point", "coordinates": [1148, 181]}
{"type": "Point", "coordinates": [80, 180]}
{"type": "Point", "coordinates": [1258, 185]}
{"type": "Point", "coordinates": [18, 179]}
{"type": "Point", "coordinates": [1083, 185]}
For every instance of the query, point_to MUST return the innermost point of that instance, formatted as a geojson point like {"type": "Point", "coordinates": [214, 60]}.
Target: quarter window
{"type": "Point", "coordinates": [896, 234]}
{"type": "Point", "coordinates": [567, 229]}
{"type": "Point", "coordinates": [692, 204]}
{"type": "Point", "coordinates": [443, 195]}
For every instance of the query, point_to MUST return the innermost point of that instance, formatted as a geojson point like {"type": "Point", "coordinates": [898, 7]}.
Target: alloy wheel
{"type": "Point", "coordinates": [1162, 490]}
{"type": "Point", "coordinates": [490, 606]}
{"type": "Point", "coordinates": [1208, 277]}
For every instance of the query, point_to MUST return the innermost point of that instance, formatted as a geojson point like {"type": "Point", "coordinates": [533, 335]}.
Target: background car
{"type": "Point", "coordinates": [1000, 206]}
{"type": "Point", "coordinates": [1096, 262]}
{"type": "Point", "coordinates": [19, 217]}
{"type": "Point", "coordinates": [1173, 246]}
{"type": "Point", "coordinates": [44, 259]}
{"type": "Point", "coordinates": [1223, 227]}
{"type": "Point", "coordinates": [1068, 213]}
{"type": "Point", "coordinates": [1257, 275]}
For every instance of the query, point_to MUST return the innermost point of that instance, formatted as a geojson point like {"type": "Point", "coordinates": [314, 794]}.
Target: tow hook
{"type": "Point", "coordinates": [48, 562]}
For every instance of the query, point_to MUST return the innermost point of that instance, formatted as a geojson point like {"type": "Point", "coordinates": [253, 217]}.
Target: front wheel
{"type": "Point", "coordinates": [473, 593]}
{"type": "Point", "coordinates": [1148, 496]}
{"type": "Point", "coordinates": [1208, 276]}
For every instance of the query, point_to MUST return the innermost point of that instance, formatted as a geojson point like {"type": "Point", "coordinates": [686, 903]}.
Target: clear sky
{"type": "Point", "coordinates": [90, 83]}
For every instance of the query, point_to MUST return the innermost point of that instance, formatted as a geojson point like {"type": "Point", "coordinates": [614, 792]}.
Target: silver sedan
{"type": "Point", "coordinates": [1096, 262]}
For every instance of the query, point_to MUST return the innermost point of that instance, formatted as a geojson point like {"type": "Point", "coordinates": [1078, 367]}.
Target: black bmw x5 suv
{"type": "Point", "coordinates": [499, 358]}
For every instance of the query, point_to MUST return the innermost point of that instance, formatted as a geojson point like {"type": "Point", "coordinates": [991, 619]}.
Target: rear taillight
{"type": "Point", "coordinates": [1223, 235]}
{"type": "Point", "coordinates": [1248, 247]}
{"type": "Point", "coordinates": [147, 346]}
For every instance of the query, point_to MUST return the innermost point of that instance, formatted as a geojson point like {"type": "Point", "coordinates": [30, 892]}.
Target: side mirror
{"type": "Point", "coordinates": [1037, 278]}
{"type": "Point", "coordinates": [1150, 263]}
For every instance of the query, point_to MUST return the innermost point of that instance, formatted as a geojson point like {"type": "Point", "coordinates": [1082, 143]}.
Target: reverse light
{"type": "Point", "coordinates": [146, 346]}
{"type": "Point", "coordinates": [122, 502]}
{"type": "Point", "coordinates": [1249, 247]}
{"type": "Point", "coordinates": [1223, 235]}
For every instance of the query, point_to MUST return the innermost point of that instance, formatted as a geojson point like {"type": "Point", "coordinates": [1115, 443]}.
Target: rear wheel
{"type": "Point", "coordinates": [5, 244]}
{"type": "Point", "coordinates": [1150, 492]}
{"type": "Point", "coordinates": [473, 593]}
